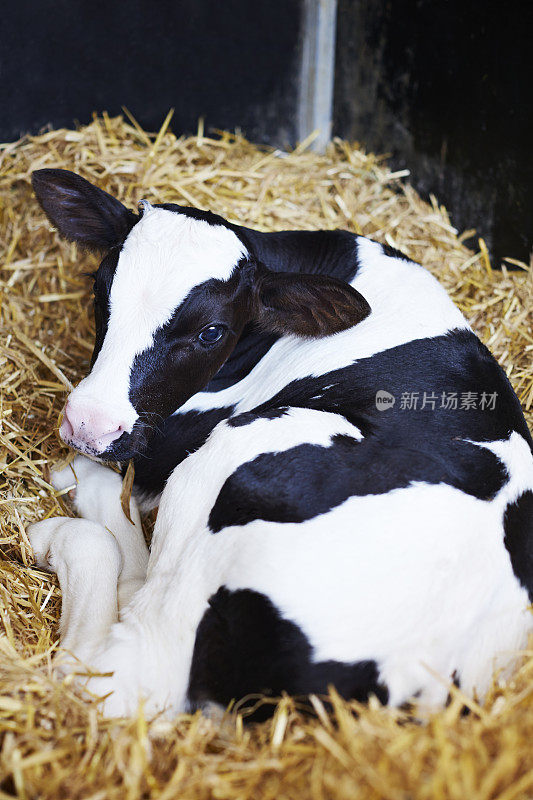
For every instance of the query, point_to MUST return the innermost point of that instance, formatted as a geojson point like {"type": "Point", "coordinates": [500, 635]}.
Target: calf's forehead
{"type": "Point", "coordinates": [166, 255]}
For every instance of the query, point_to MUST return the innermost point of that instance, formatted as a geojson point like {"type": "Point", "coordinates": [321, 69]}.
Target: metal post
{"type": "Point", "coordinates": [315, 108]}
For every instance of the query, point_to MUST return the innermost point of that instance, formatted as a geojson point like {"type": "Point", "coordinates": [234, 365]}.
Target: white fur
{"type": "Point", "coordinates": [87, 561]}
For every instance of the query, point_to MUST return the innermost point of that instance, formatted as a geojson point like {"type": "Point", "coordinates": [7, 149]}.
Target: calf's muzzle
{"type": "Point", "coordinates": [89, 426]}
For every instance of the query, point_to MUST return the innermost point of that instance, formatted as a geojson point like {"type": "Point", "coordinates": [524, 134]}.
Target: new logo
{"type": "Point", "coordinates": [384, 400]}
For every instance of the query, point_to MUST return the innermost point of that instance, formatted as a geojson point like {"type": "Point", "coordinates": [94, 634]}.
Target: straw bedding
{"type": "Point", "coordinates": [54, 744]}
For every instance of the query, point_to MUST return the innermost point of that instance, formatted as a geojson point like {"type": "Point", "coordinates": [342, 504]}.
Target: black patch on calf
{"type": "Point", "coordinates": [169, 441]}
{"type": "Point", "coordinates": [245, 647]}
{"type": "Point", "coordinates": [178, 365]}
{"type": "Point", "coordinates": [305, 481]}
{"type": "Point", "coordinates": [455, 362]}
{"type": "Point", "coordinates": [103, 280]}
{"type": "Point", "coordinates": [518, 526]}
{"type": "Point", "coordinates": [172, 441]}
{"type": "Point", "coordinates": [195, 213]}
{"type": "Point", "coordinates": [249, 350]}
{"type": "Point", "coordinates": [392, 252]}
{"type": "Point", "coordinates": [250, 416]}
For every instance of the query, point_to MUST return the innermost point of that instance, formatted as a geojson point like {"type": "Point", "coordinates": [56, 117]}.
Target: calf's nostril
{"type": "Point", "coordinates": [66, 428]}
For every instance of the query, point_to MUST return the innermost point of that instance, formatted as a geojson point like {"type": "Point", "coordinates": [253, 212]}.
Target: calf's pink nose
{"type": "Point", "coordinates": [90, 425]}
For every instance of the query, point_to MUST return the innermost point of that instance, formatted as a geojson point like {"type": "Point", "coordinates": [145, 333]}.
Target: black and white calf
{"type": "Point", "coordinates": [307, 534]}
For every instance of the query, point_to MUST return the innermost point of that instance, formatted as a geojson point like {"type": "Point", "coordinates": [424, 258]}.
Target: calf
{"type": "Point", "coordinates": [343, 472]}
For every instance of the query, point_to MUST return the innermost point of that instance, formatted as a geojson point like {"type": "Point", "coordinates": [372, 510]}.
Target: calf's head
{"type": "Point", "coordinates": [172, 295]}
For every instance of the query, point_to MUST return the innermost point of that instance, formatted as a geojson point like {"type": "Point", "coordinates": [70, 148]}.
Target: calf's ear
{"type": "Point", "coordinates": [80, 211]}
{"type": "Point", "coordinates": [307, 305]}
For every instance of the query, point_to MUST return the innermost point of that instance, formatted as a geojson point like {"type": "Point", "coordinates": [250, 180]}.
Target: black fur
{"type": "Point", "coordinates": [249, 350]}
{"type": "Point", "coordinates": [172, 441]}
{"type": "Point", "coordinates": [195, 213]}
{"type": "Point", "coordinates": [518, 525]}
{"type": "Point", "coordinates": [178, 364]}
{"type": "Point", "coordinates": [455, 362]}
{"type": "Point", "coordinates": [245, 647]}
{"type": "Point", "coordinates": [394, 253]}
{"type": "Point", "coordinates": [249, 416]}
{"type": "Point", "coordinates": [308, 480]}
{"type": "Point", "coordinates": [311, 252]}
{"type": "Point", "coordinates": [102, 282]}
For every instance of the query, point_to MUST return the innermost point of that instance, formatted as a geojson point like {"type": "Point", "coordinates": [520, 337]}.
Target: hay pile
{"type": "Point", "coordinates": [54, 744]}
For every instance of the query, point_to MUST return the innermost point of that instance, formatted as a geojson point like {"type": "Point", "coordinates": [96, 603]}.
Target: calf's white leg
{"type": "Point", "coordinates": [87, 561]}
{"type": "Point", "coordinates": [100, 560]}
{"type": "Point", "coordinates": [97, 499]}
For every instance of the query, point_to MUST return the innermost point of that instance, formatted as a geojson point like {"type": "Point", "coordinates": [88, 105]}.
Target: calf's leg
{"type": "Point", "coordinates": [87, 561]}
{"type": "Point", "coordinates": [97, 498]}
{"type": "Point", "coordinates": [100, 560]}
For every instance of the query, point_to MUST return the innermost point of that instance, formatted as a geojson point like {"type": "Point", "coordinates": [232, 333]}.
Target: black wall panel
{"type": "Point", "coordinates": [445, 86]}
{"type": "Point", "coordinates": [236, 62]}
{"type": "Point", "coordinates": [442, 84]}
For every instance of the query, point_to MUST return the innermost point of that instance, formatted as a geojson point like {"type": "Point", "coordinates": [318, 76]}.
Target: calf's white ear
{"type": "Point", "coordinates": [82, 212]}
{"type": "Point", "coordinates": [307, 305]}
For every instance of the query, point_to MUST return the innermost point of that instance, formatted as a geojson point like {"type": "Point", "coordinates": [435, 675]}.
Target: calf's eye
{"type": "Point", "coordinates": [212, 334]}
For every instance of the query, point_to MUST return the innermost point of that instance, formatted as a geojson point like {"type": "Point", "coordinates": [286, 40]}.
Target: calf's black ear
{"type": "Point", "coordinates": [80, 211]}
{"type": "Point", "coordinates": [307, 305]}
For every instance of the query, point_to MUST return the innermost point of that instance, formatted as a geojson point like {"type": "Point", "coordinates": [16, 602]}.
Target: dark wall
{"type": "Point", "coordinates": [236, 62]}
{"type": "Point", "coordinates": [445, 86]}
{"type": "Point", "coordinates": [442, 84]}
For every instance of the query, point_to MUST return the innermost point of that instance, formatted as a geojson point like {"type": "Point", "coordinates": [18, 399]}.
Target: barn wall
{"type": "Point", "coordinates": [235, 62]}
{"type": "Point", "coordinates": [441, 84]}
